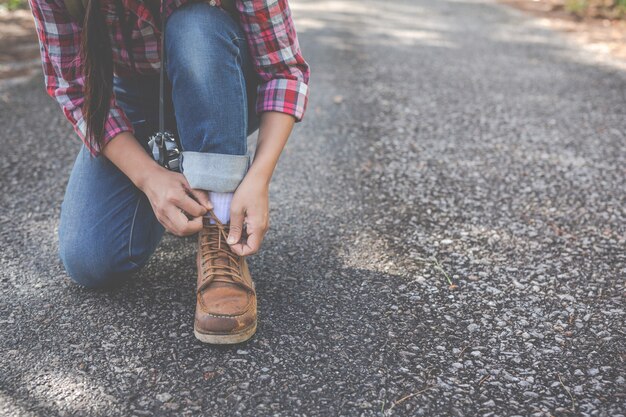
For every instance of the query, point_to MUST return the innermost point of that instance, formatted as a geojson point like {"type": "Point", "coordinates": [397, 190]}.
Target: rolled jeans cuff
{"type": "Point", "coordinates": [213, 171]}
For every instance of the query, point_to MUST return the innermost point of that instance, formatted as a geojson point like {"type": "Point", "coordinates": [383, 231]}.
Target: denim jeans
{"type": "Point", "coordinates": [107, 228]}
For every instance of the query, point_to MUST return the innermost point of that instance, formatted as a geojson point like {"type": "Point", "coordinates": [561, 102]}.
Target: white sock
{"type": "Point", "coordinates": [221, 205]}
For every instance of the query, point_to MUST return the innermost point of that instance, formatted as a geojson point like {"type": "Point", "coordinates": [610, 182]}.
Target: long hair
{"type": "Point", "coordinates": [97, 60]}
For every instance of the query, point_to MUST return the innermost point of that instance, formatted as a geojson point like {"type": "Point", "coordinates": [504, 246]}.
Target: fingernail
{"type": "Point", "coordinates": [230, 240]}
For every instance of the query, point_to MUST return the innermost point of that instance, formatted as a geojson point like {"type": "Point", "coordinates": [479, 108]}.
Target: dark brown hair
{"type": "Point", "coordinates": [97, 60]}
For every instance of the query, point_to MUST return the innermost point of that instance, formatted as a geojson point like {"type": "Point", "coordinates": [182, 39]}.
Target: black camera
{"type": "Point", "coordinates": [165, 150]}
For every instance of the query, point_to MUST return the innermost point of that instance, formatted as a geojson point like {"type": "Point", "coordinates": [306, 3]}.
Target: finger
{"type": "Point", "coordinates": [253, 243]}
{"type": "Point", "coordinates": [236, 225]}
{"type": "Point", "coordinates": [201, 197]}
{"type": "Point", "coordinates": [191, 206]}
{"type": "Point", "coordinates": [193, 226]}
{"type": "Point", "coordinates": [237, 247]}
{"type": "Point", "coordinates": [178, 220]}
{"type": "Point", "coordinates": [183, 225]}
{"type": "Point", "coordinates": [166, 223]}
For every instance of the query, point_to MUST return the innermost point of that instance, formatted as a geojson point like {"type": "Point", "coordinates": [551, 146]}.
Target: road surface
{"type": "Point", "coordinates": [445, 142]}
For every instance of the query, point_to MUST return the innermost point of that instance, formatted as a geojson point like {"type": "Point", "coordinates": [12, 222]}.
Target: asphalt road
{"type": "Point", "coordinates": [444, 140]}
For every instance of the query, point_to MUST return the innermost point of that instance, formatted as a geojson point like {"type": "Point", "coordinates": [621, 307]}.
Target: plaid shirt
{"type": "Point", "coordinates": [269, 30]}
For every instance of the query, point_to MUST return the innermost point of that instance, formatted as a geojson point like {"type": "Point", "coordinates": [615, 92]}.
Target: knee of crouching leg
{"type": "Point", "coordinates": [202, 34]}
{"type": "Point", "coordinates": [88, 268]}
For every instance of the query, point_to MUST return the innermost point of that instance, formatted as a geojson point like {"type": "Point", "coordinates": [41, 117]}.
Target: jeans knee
{"type": "Point", "coordinates": [188, 30]}
{"type": "Point", "coordinates": [88, 268]}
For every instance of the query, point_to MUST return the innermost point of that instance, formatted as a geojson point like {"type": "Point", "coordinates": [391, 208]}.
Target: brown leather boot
{"type": "Point", "coordinates": [226, 309]}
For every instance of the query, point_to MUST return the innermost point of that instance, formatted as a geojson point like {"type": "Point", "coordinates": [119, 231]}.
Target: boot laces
{"type": "Point", "coordinates": [215, 248]}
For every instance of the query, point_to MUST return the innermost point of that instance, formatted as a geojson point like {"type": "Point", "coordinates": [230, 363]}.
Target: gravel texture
{"type": "Point", "coordinates": [445, 142]}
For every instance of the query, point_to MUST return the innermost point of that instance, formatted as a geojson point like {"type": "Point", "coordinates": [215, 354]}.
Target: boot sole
{"type": "Point", "coordinates": [225, 339]}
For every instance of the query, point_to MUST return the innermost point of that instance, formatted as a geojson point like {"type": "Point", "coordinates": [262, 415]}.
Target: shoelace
{"type": "Point", "coordinates": [220, 250]}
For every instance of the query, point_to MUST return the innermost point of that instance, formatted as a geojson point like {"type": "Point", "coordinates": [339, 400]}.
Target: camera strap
{"type": "Point", "coordinates": [165, 146]}
{"type": "Point", "coordinates": [162, 75]}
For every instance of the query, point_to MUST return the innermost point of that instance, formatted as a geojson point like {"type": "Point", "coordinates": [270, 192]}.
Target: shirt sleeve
{"type": "Point", "coordinates": [59, 44]}
{"type": "Point", "coordinates": [275, 50]}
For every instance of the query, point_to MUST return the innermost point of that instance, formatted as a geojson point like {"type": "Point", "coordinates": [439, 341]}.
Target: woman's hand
{"type": "Point", "coordinates": [169, 192]}
{"type": "Point", "coordinates": [177, 206]}
{"type": "Point", "coordinates": [250, 205]}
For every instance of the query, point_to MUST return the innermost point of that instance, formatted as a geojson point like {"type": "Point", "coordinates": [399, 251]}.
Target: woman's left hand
{"type": "Point", "coordinates": [250, 205]}
{"type": "Point", "coordinates": [251, 200]}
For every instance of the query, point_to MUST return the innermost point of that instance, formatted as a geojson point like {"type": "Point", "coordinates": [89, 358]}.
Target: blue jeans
{"type": "Point", "coordinates": [107, 228]}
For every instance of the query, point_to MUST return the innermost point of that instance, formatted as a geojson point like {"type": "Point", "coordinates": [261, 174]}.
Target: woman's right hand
{"type": "Point", "coordinates": [177, 206]}
{"type": "Point", "coordinates": [169, 192]}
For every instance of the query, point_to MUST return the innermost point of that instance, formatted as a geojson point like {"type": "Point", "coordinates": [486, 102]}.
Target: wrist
{"type": "Point", "coordinates": [125, 152]}
{"type": "Point", "coordinates": [260, 175]}
{"type": "Point", "coordinates": [145, 174]}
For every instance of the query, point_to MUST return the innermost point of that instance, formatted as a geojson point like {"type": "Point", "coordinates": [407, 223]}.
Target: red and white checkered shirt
{"type": "Point", "coordinates": [269, 30]}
